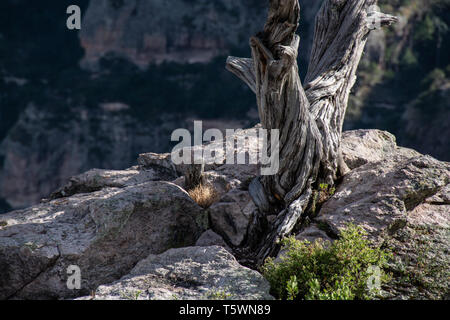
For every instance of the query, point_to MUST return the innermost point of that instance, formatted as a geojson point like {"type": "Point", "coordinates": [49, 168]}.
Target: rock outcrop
{"type": "Point", "coordinates": [118, 225]}
{"type": "Point", "coordinates": [363, 146]}
{"type": "Point", "coordinates": [192, 273]}
{"type": "Point", "coordinates": [401, 198]}
{"type": "Point", "coordinates": [104, 232]}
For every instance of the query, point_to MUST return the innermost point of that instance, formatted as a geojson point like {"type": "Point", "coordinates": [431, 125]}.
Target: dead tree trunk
{"type": "Point", "coordinates": [341, 31]}
{"type": "Point", "coordinates": [309, 120]}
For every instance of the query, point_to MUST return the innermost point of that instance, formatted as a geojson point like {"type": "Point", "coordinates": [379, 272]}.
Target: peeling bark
{"type": "Point", "coordinates": [310, 119]}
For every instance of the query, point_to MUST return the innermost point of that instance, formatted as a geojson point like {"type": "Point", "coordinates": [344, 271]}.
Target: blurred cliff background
{"type": "Point", "coordinates": [138, 69]}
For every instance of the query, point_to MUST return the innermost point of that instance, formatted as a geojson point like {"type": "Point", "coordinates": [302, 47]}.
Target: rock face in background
{"type": "Point", "coordinates": [154, 31]}
{"type": "Point", "coordinates": [118, 225]}
{"type": "Point", "coordinates": [423, 128]}
{"type": "Point", "coordinates": [146, 32]}
{"type": "Point", "coordinates": [404, 78]}
{"type": "Point", "coordinates": [39, 153]}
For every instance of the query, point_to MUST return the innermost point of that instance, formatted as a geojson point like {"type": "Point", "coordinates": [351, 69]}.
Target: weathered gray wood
{"type": "Point", "coordinates": [341, 31]}
{"type": "Point", "coordinates": [244, 69]}
{"type": "Point", "coordinates": [282, 104]}
{"type": "Point", "coordinates": [258, 194]}
{"type": "Point", "coordinates": [310, 122]}
{"type": "Point", "coordinates": [285, 222]}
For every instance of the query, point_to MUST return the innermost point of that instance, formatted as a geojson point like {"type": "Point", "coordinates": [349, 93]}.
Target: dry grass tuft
{"type": "Point", "coordinates": [205, 195]}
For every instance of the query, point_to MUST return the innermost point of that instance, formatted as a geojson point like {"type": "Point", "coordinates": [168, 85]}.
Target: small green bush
{"type": "Point", "coordinates": [322, 270]}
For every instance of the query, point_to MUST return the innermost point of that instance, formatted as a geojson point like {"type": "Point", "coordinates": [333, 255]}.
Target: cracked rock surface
{"type": "Point", "coordinates": [192, 273]}
{"type": "Point", "coordinates": [105, 233]}
{"type": "Point", "coordinates": [131, 231]}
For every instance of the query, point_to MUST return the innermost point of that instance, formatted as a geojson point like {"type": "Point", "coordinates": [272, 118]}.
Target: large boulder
{"type": "Point", "coordinates": [363, 146]}
{"type": "Point", "coordinates": [105, 233]}
{"type": "Point", "coordinates": [232, 215]}
{"type": "Point", "coordinates": [380, 196]}
{"type": "Point", "coordinates": [192, 273]}
{"type": "Point", "coordinates": [97, 179]}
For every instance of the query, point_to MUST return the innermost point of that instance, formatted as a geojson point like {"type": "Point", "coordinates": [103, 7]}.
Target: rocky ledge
{"type": "Point", "coordinates": [137, 234]}
{"type": "Point", "coordinates": [192, 273]}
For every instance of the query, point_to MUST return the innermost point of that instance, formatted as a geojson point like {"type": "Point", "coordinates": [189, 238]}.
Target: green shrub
{"type": "Point", "coordinates": [322, 270]}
